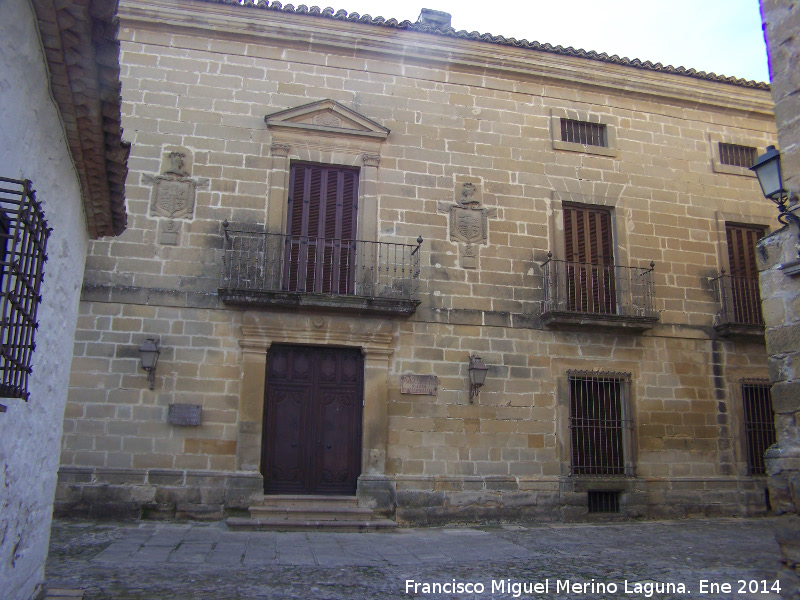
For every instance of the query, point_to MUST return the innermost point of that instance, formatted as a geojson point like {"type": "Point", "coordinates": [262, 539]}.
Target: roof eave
{"type": "Point", "coordinates": [82, 55]}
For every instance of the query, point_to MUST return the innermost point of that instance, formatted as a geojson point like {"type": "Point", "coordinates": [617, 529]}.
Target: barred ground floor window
{"type": "Point", "coordinates": [601, 424]}
{"type": "Point", "coordinates": [23, 241]}
{"type": "Point", "coordinates": [759, 423]}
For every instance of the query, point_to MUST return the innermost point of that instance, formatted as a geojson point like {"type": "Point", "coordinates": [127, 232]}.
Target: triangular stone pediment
{"type": "Point", "coordinates": [326, 116]}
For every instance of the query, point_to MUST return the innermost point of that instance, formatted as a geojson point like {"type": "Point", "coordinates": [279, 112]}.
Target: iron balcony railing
{"type": "Point", "coordinates": [738, 301]}
{"type": "Point", "coordinates": [257, 262]}
{"type": "Point", "coordinates": [590, 289]}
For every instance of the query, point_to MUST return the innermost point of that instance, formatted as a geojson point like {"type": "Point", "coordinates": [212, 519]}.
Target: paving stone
{"type": "Point", "coordinates": [364, 566]}
{"type": "Point", "coordinates": [152, 554]}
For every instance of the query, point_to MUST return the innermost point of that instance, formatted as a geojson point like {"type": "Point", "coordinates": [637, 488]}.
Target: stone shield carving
{"type": "Point", "coordinates": [469, 226]}
{"type": "Point", "coordinates": [173, 193]}
{"type": "Point", "coordinates": [469, 223]}
{"type": "Point", "coordinates": [174, 197]}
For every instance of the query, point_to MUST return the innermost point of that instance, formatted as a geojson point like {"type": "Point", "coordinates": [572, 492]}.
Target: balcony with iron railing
{"type": "Point", "coordinates": [738, 306]}
{"type": "Point", "coordinates": [267, 269]}
{"type": "Point", "coordinates": [598, 296]}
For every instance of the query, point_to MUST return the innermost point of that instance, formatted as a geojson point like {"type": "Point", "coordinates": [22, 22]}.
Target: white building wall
{"type": "Point", "coordinates": [33, 146]}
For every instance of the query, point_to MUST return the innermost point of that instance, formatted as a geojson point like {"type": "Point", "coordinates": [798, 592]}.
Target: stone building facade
{"type": "Point", "coordinates": [576, 212]}
{"type": "Point", "coordinates": [779, 263]}
{"type": "Point", "coordinates": [62, 168]}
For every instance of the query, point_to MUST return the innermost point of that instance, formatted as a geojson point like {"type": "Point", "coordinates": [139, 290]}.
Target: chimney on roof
{"type": "Point", "coordinates": [434, 18]}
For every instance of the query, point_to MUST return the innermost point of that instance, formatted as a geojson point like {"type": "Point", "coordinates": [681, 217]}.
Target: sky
{"type": "Point", "coordinates": [720, 36]}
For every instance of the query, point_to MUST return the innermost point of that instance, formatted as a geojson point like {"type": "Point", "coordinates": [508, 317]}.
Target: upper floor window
{"type": "Point", "coordinates": [320, 245]}
{"type": "Point", "coordinates": [23, 240]}
{"type": "Point", "coordinates": [590, 282]}
{"type": "Point", "coordinates": [588, 288]}
{"type": "Point", "coordinates": [736, 155]}
{"type": "Point", "coordinates": [581, 132]}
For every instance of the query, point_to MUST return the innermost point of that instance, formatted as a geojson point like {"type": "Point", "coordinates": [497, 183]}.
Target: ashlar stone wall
{"type": "Point", "coordinates": [780, 291]}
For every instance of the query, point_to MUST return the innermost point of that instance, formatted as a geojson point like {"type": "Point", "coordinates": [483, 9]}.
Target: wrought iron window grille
{"type": "Point", "coordinates": [604, 501]}
{"type": "Point", "coordinates": [759, 423]}
{"type": "Point", "coordinates": [583, 132]}
{"type": "Point", "coordinates": [600, 423]}
{"type": "Point", "coordinates": [737, 156]}
{"type": "Point", "coordinates": [23, 243]}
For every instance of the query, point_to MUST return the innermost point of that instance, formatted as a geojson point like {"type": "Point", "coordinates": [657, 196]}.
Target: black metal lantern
{"type": "Point", "coordinates": [148, 352]}
{"type": "Point", "coordinates": [477, 375]}
{"type": "Point", "coordinates": [768, 170]}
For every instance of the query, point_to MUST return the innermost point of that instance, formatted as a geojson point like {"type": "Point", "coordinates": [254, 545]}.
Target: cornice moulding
{"type": "Point", "coordinates": [409, 48]}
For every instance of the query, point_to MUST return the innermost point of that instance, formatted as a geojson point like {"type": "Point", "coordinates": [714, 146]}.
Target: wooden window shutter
{"type": "Point", "coordinates": [745, 294]}
{"type": "Point", "coordinates": [320, 250]}
{"type": "Point", "coordinates": [589, 252]}
{"type": "Point", "coordinates": [742, 249]}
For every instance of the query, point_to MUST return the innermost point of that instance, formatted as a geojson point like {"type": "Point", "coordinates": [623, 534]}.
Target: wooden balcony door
{"type": "Point", "coordinates": [590, 285]}
{"type": "Point", "coordinates": [745, 296]}
{"type": "Point", "coordinates": [312, 420]}
{"type": "Point", "coordinates": [320, 252]}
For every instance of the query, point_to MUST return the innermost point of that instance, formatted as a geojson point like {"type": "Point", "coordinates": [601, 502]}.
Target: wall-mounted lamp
{"type": "Point", "coordinates": [149, 352]}
{"type": "Point", "coordinates": [768, 170]}
{"type": "Point", "coordinates": [477, 375]}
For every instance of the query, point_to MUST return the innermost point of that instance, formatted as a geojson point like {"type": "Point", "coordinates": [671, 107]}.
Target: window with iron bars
{"type": "Point", "coordinates": [23, 241]}
{"type": "Point", "coordinates": [604, 501]}
{"type": "Point", "coordinates": [737, 156]}
{"type": "Point", "coordinates": [601, 427]}
{"type": "Point", "coordinates": [759, 423]}
{"type": "Point", "coordinates": [583, 132]}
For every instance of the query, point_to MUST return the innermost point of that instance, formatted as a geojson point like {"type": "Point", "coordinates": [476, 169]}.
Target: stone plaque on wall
{"type": "Point", "coordinates": [419, 384]}
{"type": "Point", "coordinates": [168, 232]}
{"type": "Point", "coordinates": [184, 414]}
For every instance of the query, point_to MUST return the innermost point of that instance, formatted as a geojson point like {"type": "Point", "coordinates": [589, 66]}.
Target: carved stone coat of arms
{"type": "Point", "coordinates": [174, 190]}
{"type": "Point", "coordinates": [469, 224]}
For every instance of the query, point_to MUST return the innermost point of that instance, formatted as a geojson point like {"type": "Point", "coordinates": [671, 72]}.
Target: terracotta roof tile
{"type": "Point", "coordinates": [342, 15]}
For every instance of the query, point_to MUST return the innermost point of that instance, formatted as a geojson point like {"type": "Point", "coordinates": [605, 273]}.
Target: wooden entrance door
{"type": "Point", "coordinates": [312, 420]}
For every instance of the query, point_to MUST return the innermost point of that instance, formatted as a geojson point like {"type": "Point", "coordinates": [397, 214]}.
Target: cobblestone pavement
{"type": "Point", "coordinates": [165, 561]}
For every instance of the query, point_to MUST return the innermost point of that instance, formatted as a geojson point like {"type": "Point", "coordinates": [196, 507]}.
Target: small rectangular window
{"type": "Point", "coordinates": [23, 240]}
{"type": "Point", "coordinates": [737, 156]}
{"type": "Point", "coordinates": [602, 501]}
{"type": "Point", "coordinates": [600, 423]}
{"type": "Point", "coordinates": [583, 132]}
{"type": "Point", "coordinates": [759, 423]}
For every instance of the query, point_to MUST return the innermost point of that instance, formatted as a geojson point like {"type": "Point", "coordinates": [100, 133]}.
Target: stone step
{"type": "Point", "coordinates": [265, 524]}
{"type": "Point", "coordinates": [298, 501]}
{"type": "Point", "coordinates": [311, 513]}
